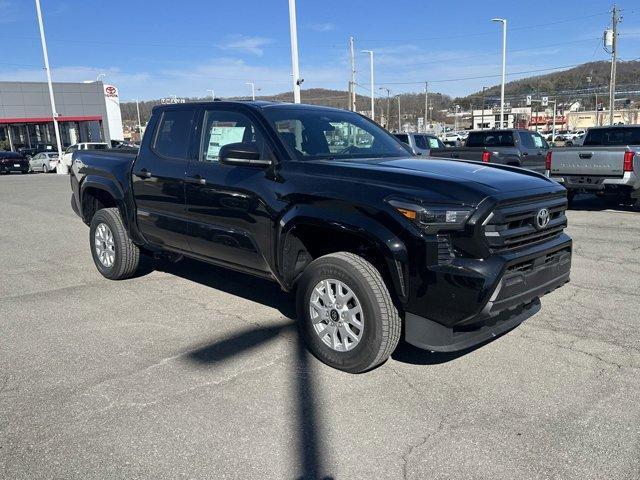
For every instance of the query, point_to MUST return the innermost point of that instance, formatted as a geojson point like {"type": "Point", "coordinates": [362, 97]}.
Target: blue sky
{"type": "Point", "coordinates": [160, 48]}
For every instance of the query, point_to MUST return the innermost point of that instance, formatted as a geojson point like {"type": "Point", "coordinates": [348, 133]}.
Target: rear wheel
{"type": "Point", "coordinates": [115, 255]}
{"type": "Point", "coordinates": [346, 314]}
{"type": "Point", "coordinates": [45, 169]}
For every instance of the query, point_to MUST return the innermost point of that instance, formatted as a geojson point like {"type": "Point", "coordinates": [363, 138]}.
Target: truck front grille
{"type": "Point", "coordinates": [513, 225]}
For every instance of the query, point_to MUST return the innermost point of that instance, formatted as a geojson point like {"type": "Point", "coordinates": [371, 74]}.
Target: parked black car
{"type": "Point", "coordinates": [329, 205]}
{"type": "Point", "coordinates": [13, 162]}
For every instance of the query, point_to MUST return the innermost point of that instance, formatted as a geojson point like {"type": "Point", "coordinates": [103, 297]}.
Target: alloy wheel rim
{"type": "Point", "coordinates": [104, 245]}
{"type": "Point", "coordinates": [336, 314]}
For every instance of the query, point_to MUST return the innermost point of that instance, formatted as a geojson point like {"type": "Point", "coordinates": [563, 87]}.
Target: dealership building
{"type": "Point", "coordinates": [87, 112]}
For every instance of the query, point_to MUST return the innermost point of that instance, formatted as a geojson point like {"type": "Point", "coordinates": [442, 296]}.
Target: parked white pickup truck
{"type": "Point", "coordinates": [607, 163]}
{"type": "Point", "coordinates": [66, 156]}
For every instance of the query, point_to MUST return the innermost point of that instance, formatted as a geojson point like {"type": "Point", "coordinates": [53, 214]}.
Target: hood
{"type": "Point", "coordinates": [451, 180]}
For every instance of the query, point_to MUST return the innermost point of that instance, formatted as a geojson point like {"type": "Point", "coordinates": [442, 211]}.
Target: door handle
{"type": "Point", "coordinates": [196, 179]}
{"type": "Point", "coordinates": [144, 173]}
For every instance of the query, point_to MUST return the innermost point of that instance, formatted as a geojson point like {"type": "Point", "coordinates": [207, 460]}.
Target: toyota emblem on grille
{"type": "Point", "coordinates": [542, 218]}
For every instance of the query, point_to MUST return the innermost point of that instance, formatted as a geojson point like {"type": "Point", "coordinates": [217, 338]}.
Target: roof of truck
{"type": "Point", "coordinates": [259, 104]}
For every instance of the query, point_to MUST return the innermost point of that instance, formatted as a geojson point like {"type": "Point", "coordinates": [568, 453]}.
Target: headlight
{"type": "Point", "coordinates": [433, 218]}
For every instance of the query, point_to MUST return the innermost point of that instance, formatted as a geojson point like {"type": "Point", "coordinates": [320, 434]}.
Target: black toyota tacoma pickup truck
{"type": "Point", "coordinates": [375, 242]}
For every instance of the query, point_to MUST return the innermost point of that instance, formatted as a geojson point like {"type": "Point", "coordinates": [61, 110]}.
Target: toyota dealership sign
{"type": "Point", "coordinates": [114, 117]}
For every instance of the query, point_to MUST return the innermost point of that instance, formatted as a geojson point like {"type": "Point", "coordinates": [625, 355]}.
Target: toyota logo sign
{"type": "Point", "coordinates": [110, 91]}
{"type": "Point", "coordinates": [542, 218]}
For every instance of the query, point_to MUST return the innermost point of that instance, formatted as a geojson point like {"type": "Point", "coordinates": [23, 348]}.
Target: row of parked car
{"type": "Point", "coordinates": [603, 161]}
{"type": "Point", "coordinates": [42, 158]}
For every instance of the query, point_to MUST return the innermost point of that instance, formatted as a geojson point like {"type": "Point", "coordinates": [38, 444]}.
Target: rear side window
{"type": "Point", "coordinates": [527, 140]}
{"type": "Point", "coordinates": [173, 133]}
{"type": "Point", "coordinates": [421, 142]}
{"type": "Point", "coordinates": [613, 136]}
{"type": "Point", "coordinates": [490, 139]}
{"type": "Point", "coordinates": [402, 137]}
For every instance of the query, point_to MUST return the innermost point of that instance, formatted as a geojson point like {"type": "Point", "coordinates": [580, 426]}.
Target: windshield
{"type": "Point", "coordinates": [332, 134]}
{"type": "Point", "coordinates": [613, 136]}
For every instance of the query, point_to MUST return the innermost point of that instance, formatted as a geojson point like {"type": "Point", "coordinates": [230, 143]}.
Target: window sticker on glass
{"type": "Point", "coordinates": [221, 136]}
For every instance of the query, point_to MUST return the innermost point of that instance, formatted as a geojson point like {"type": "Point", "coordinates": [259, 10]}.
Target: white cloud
{"type": "Point", "coordinates": [241, 43]}
{"type": "Point", "coordinates": [321, 27]}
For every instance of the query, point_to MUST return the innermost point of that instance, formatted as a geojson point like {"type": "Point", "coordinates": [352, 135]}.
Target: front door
{"type": "Point", "coordinates": [227, 204]}
{"type": "Point", "coordinates": [532, 153]}
{"type": "Point", "coordinates": [158, 180]}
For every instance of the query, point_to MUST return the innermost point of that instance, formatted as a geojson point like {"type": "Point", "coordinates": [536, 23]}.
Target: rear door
{"type": "Point", "coordinates": [227, 212]}
{"type": "Point", "coordinates": [158, 179]}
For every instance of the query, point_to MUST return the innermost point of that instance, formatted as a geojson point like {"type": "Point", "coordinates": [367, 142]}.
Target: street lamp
{"type": "Point", "coordinates": [504, 65]}
{"type": "Point", "coordinates": [373, 112]}
{"type": "Point", "coordinates": [399, 118]}
{"type": "Point", "coordinates": [100, 75]}
{"type": "Point", "coordinates": [482, 121]}
{"type": "Point", "coordinates": [213, 94]}
{"type": "Point", "coordinates": [253, 90]}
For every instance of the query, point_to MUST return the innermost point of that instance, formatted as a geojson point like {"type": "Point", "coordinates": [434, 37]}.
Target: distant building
{"type": "Point", "coordinates": [87, 112]}
{"type": "Point", "coordinates": [587, 119]}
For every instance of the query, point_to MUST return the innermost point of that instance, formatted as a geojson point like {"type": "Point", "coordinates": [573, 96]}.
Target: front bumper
{"type": "Point", "coordinates": [488, 311]}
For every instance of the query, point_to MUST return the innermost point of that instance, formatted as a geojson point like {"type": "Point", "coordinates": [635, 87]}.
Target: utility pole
{"type": "Point", "coordinates": [213, 94]}
{"type": "Point", "coordinates": [295, 68]}
{"type": "Point", "coordinates": [388, 107]}
{"type": "Point", "coordinates": [373, 92]}
{"type": "Point", "coordinates": [399, 117]}
{"type": "Point", "coordinates": [482, 121]}
{"type": "Point", "coordinates": [426, 105]}
{"type": "Point", "coordinates": [352, 91]}
{"type": "Point", "coordinates": [62, 169]}
{"type": "Point", "coordinates": [611, 40]}
{"type": "Point", "coordinates": [253, 90]}
{"type": "Point", "coordinates": [504, 65]}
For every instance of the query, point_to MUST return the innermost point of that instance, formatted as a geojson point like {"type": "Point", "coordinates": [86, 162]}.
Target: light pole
{"type": "Point", "coordinates": [504, 66]}
{"type": "Point", "coordinates": [388, 106]}
{"type": "Point", "coordinates": [253, 90]}
{"type": "Point", "coordinates": [139, 123]}
{"type": "Point", "coordinates": [399, 118]}
{"type": "Point", "coordinates": [100, 75]}
{"type": "Point", "coordinates": [373, 111]}
{"type": "Point", "coordinates": [295, 68]}
{"type": "Point", "coordinates": [213, 94]}
{"type": "Point", "coordinates": [62, 169]}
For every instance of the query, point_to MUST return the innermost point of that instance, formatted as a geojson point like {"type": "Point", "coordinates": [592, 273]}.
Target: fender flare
{"type": "Point", "coordinates": [373, 232]}
{"type": "Point", "coordinates": [106, 185]}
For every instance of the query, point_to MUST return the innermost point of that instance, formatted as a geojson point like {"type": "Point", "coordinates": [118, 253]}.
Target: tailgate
{"type": "Point", "coordinates": [458, 152]}
{"type": "Point", "coordinates": [592, 161]}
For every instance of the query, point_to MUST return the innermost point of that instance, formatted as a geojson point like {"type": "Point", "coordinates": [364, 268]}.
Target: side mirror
{"type": "Point", "coordinates": [245, 154]}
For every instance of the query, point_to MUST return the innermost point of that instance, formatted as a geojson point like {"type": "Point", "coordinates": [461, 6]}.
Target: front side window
{"type": "Point", "coordinates": [435, 143]}
{"type": "Point", "coordinates": [539, 141]}
{"type": "Point", "coordinates": [314, 134]}
{"type": "Point", "coordinates": [224, 127]}
{"type": "Point", "coordinates": [173, 132]}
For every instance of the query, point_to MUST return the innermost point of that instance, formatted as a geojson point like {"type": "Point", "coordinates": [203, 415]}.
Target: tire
{"type": "Point", "coordinates": [45, 169]}
{"type": "Point", "coordinates": [380, 323]}
{"type": "Point", "coordinates": [570, 196]}
{"type": "Point", "coordinates": [123, 254]}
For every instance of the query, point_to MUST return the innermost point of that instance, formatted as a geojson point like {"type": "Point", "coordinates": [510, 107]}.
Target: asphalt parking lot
{"type": "Point", "coordinates": [194, 372]}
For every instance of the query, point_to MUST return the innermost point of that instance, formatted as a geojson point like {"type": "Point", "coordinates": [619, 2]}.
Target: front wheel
{"type": "Point", "coordinates": [345, 312]}
{"type": "Point", "coordinates": [45, 169]}
{"type": "Point", "coordinates": [114, 254]}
